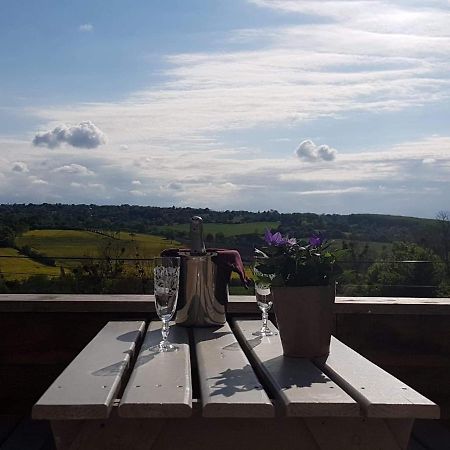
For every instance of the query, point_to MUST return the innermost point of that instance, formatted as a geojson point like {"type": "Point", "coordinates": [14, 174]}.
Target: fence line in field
{"type": "Point", "coordinates": [96, 258]}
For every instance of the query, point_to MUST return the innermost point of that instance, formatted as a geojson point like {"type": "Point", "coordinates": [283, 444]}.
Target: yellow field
{"type": "Point", "coordinates": [62, 244]}
{"type": "Point", "coordinates": [22, 268]}
{"type": "Point", "coordinates": [73, 244]}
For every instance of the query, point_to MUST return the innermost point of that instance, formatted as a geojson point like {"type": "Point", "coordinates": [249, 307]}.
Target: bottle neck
{"type": "Point", "coordinates": [196, 235]}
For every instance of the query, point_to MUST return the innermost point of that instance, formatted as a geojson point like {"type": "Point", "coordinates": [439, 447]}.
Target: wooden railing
{"type": "Point", "coordinates": [40, 334]}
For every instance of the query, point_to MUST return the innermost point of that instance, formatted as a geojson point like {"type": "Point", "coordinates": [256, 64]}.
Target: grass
{"type": "Point", "coordinates": [375, 252]}
{"type": "Point", "coordinates": [78, 244]}
{"type": "Point", "coordinates": [228, 229]}
{"type": "Point", "coordinates": [22, 267]}
{"type": "Point", "coordinates": [61, 244]}
{"type": "Point", "coordinates": [74, 243]}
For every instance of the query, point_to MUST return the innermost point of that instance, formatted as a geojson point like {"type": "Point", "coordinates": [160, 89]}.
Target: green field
{"type": "Point", "coordinates": [21, 268]}
{"type": "Point", "coordinates": [375, 251]}
{"type": "Point", "coordinates": [228, 229]}
{"type": "Point", "coordinates": [62, 244]}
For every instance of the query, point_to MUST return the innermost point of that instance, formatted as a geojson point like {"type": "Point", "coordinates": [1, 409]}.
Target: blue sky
{"type": "Point", "coordinates": [337, 106]}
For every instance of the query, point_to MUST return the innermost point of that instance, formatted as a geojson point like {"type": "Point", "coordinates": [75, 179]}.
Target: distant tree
{"type": "Point", "coordinates": [99, 273]}
{"type": "Point", "coordinates": [3, 287]}
{"type": "Point", "coordinates": [37, 256]}
{"type": "Point", "coordinates": [7, 236]}
{"type": "Point", "coordinates": [443, 218]}
{"type": "Point", "coordinates": [356, 255]}
{"type": "Point", "coordinates": [411, 271]}
{"type": "Point", "coordinates": [170, 235]}
{"type": "Point", "coordinates": [354, 264]}
{"type": "Point", "coordinates": [219, 237]}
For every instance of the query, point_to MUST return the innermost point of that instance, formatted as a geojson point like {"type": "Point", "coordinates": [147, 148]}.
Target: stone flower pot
{"type": "Point", "coordinates": [305, 319]}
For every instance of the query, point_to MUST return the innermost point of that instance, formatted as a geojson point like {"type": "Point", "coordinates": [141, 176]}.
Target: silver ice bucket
{"type": "Point", "coordinates": [203, 292]}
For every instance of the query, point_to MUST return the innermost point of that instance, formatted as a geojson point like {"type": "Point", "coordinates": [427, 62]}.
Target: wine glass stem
{"type": "Point", "coordinates": [165, 332]}
{"type": "Point", "coordinates": [265, 316]}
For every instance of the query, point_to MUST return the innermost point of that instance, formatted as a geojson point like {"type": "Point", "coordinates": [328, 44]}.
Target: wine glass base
{"type": "Point", "coordinates": [262, 333]}
{"type": "Point", "coordinates": [162, 348]}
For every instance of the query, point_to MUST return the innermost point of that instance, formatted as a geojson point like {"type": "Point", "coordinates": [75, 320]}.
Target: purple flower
{"type": "Point", "coordinates": [277, 239]}
{"type": "Point", "coordinates": [291, 241]}
{"type": "Point", "coordinates": [274, 239]}
{"type": "Point", "coordinates": [315, 240]}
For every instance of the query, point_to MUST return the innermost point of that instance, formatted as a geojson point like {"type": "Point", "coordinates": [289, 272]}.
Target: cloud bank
{"type": "Point", "coordinates": [382, 179]}
{"type": "Point", "coordinates": [308, 151]}
{"type": "Point", "coordinates": [84, 135]}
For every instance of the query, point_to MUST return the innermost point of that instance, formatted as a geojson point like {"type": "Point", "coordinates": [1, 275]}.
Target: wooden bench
{"type": "Point", "coordinates": [224, 388]}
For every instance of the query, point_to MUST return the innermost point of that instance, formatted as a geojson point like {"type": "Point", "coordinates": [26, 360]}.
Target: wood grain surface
{"type": "Point", "coordinates": [89, 385]}
{"type": "Point", "coordinates": [302, 388]}
{"type": "Point", "coordinates": [229, 387]}
{"type": "Point", "coordinates": [160, 385]}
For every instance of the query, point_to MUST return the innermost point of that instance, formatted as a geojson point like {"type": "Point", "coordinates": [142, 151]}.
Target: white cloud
{"type": "Point", "coordinates": [354, 56]}
{"type": "Point", "coordinates": [326, 153]}
{"type": "Point", "coordinates": [96, 186]}
{"type": "Point", "coordinates": [275, 86]}
{"type": "Point", "coordinates": [84, 135]}
{"type": "Point", "coordinates": [86, 28]}
{"type": "Point", "coordinates": [308, 151]}
{"type": "Point", "coordinates": [226, 180]}
{"type": "Point", "coordinates": [355, 189]}
{"type": "Point", "coordinates": [20, 166]}
{"type": "Point", "coordinates": [175, 186]}
{"type": "Point", "coordinates": [281, 139]}
{"type": "Point", "coordinates": [423, 18]}
{"type": "Point", "coordinates": [75, 169]}
{"type": "Point", "coordinates": [202, 194]}
{"type": "Point", "coordinates": [39, 181]}
{"type": "Point", "coordinates": [137, 193]}
{"type": "Point", "coordinates": [136, 182]}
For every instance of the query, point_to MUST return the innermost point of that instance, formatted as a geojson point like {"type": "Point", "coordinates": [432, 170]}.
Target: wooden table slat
{"type": "Point", "coordinates": [160, 385]}
{"type": "Point", "coordinates": [88, 386]}
{"type": "Point", "coordinates": [302, 388]}
{"type": "Point", "coordinates": [229, 387]}
{"type": "Point", "coordinates": [379, 393]}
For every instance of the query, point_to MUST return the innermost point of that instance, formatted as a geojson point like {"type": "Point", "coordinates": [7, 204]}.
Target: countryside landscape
{"type": "Point", "coordinates": [109, 249]}
{"type": "Point", "coordinates": [308, 308]}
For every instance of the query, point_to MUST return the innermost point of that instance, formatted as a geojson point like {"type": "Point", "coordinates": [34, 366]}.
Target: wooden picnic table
{"type": "Point", "coordinates": [224, 388]}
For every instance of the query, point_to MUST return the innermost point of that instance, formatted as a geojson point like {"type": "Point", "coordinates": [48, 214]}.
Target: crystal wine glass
{"type": "Point", "coordinates": [166, 279]}
{"type": "Point", "coordinates": [264, 296]}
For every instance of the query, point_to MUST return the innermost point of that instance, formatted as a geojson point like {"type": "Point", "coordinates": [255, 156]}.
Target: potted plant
{"type": "Point", "coordinates": [302, 275]}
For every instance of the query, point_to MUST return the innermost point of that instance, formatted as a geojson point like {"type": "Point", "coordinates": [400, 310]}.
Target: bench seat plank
{"type": "Point", "coordinates": [229, 387]}
{"type": "Point", "coordinates": [379, 393]}
{"type": "Point", "coordinates": [302, 388]}
{"type": "Point", "coordinates": [160, 385]}
{"type": "Point", "coordinates": [88, 386]}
